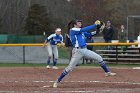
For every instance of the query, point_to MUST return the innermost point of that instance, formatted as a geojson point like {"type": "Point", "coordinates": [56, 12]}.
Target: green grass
{"type": "Point", "coordinates": [115, 65]}
{"type": "Point", "coordinates": [64, 65]}
{"type": "Point", "coordinates": [63, 53]}
{"type": "Point", "coordinates": [20, 65]}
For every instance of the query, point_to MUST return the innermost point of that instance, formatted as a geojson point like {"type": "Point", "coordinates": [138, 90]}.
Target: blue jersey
{"type": "Point", "coordinates": [77, 35]}
{"type": "Point", "coordinates": [54, 39]}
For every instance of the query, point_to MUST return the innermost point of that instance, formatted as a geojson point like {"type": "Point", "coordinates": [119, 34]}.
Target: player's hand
{"type": "Point", "coordinates": [62, 44]}
{"type": "Point", "coordinates": [44, 45]}
{"type": "Point", "coordinates": [59, 45]}
{"type": "Point", "coordinates": [97, 22]}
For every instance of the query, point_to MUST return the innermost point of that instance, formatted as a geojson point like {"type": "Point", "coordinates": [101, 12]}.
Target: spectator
{"type": "Point", "coordinates": [122, 36]}
{"type": "Point", "coordinates": [131, 41]}
{"type": "Point", "coordinates": [138, 38]}
{"type": "Point", "coordinates": [108, 33]}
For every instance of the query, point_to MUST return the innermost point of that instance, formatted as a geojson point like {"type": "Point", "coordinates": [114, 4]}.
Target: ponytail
{"type": "Point", "coordinates": [70, 25]}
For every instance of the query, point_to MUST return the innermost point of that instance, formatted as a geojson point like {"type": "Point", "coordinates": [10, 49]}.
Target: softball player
{"type": "Point", "coordinates": [51, 43]}
{"type": "Point", "coordinates": [79, 51]}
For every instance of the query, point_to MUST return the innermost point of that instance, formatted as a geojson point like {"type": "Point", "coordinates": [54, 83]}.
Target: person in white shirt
{"type": "Point", "coordinates": [138, 38]}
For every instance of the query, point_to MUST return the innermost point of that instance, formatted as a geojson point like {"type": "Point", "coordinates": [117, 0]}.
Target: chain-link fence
{"type": "Point", "coordinates": [25, 54]}
{"type": "Point", "coordinates": [34, 53]}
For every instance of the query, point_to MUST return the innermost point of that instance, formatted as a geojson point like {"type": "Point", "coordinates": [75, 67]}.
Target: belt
{"type": "Point", "coordinates": [81, 47]}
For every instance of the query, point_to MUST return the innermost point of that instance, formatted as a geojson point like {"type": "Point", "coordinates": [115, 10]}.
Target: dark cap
{"type": "Point", "coordinates": [76, 20]}
{"type": "Point", "coordinates": [73, 22]}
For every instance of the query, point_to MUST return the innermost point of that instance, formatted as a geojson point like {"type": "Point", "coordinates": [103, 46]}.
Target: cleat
{"type": "Point", "coordinates": [48, 67]}
{"type": "Point", "coordinates": [55, 84]}
{"type": "Point", "coordinates": [110, 74]}
{"type": "Point", "coordinates": [54, 67]}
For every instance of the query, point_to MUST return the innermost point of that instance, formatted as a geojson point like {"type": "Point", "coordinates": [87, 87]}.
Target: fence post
{"type": "Point", "coordinates": [116, 54]}
{"type": "Point", "coordinates": [23, 54]}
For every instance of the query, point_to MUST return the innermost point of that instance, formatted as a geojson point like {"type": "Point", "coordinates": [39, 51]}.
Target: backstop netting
{"type": "Point", "coordinates": [133, 26]}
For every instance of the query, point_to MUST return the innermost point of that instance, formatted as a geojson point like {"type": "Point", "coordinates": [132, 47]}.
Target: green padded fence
{"type": "Point", "coordinates": [21, 39]}
{"type": "Point", "coordinates": [3, 39]}
{"type": "Point", "coordinates": [12, 39]}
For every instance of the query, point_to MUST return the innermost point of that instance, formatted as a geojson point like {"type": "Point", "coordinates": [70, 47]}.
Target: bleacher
{"type": "Point", "coordinates": [117, 55]}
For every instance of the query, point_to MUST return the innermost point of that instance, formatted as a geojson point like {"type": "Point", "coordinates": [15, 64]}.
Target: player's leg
{"type": "Point", "coordinates": [49, 48]}
{"type": "Point", "coordinates": [55, 52]}
{"type": "Point", "coordinates": [76, 56]}
{"type": "Point", "coordinates": [92, 55]}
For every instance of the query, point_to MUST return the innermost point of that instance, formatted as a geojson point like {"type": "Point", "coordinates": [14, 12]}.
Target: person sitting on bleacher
{"type": "Point", "coordinates": [122, 36]}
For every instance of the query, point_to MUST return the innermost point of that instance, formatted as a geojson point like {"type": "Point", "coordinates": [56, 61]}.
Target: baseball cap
{"type": "Point", "coordinates": [75, 21]}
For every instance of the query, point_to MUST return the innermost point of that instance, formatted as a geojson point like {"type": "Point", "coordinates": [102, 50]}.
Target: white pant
{"type": "Point", "coordinates": [77, 54]}
{"type": "Point", "coordinates": [52, 49]}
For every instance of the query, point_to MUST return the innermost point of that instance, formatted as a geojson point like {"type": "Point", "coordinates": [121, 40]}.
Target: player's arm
{"type": "Point", "coordinates": [87, 28]}
{"type": "Point", "coordinates": [47, 39]}
{"type": "Point", "coordinates": [61, 41]}
{"type": "Point", "coordinates": [76, 31]}
{"type": "Point", "coordinates": [50, 37]}
{"type": "Point", "coordinates": [89, 34]}
{"type": "Point", "coordinates": [45, 42]}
